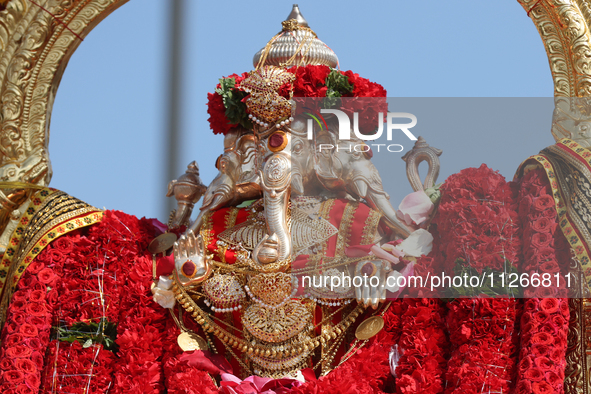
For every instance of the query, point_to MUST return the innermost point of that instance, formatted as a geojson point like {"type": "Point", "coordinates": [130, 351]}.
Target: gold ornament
{"type": "Point", "coordinates": [189, 341]}
{"type": "Point", "coordinates": [264, 103]}
{"type": "Point", "coordinates": [369, 328]}
{"type": "Point", "coordinates": [224, 293]}
{"type": "Point", "coordinates": [162, 243]}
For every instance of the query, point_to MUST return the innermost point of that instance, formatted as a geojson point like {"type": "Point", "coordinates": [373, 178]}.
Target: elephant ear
{"type": "Point", "coordinates": [364, 178]}
{"type": "Point", "coordinates": [328, 166]}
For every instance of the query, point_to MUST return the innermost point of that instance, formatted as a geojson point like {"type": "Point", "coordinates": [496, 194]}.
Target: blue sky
{"type": "Point", "coordinates": [108, 124]}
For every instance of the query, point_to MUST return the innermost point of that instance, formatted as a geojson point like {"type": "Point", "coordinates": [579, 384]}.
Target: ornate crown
{"type": "Point", "coordinates": [294, 64]}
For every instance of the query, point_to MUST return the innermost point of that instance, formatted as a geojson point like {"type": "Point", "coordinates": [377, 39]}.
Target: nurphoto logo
{"type": "Point", "coordinates": [345, 129]}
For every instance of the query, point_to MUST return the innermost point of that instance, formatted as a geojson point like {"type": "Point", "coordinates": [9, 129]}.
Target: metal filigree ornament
{"type": "Point", "coordinates": [264, 103]}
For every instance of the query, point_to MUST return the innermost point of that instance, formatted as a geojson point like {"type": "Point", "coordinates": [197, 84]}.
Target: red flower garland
{"type": "Point", "coordinates": [423, 346]}
{"type": "Point", "coordinates": [478, 220]}
{"type": "Point", "coordinates": [544, 321]}
{"type": "Point", "coordinates": [78, 370]}
{"type": "Point", "coordinates": [478, 227]}
{"type": "Point", "coordinates": [26, 334]}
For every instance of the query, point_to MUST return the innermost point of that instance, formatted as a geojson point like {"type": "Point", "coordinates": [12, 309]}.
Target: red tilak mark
{"type": "Point", "coordinates": [58, 19]}
{"type": "Point", "coordinates": [534, 6]}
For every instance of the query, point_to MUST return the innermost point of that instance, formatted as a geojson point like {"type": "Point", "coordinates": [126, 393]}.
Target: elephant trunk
{"type": "Point", "coordinates": [276, 183]}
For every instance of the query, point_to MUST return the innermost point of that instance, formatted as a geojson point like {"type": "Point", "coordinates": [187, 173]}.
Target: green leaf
{"type": "Point", "coordinates": [232, 98]}
{"type": "Point", "coordinates": [102, 332]}
{"type": "Point", "coordinates": [434, 193]}
{"type": "Point", "coordinates": [337, 84]}
{"type": "Point", "coordinates": [497, 289]}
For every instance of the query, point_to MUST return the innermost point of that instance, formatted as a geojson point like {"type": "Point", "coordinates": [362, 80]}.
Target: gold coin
{"type": "Point", "coordinates": [369, 327]}
{"type": "Point", "coordinates": [162, 243]}
{"type": "Point", "coordinates": [189, 341]}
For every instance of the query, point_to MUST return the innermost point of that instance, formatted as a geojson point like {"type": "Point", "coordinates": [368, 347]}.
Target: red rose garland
{"type": "Point", "coordinates": [545, 320]}
{"type": "Point", "coordinates": [482, 332]}
{"type": "Point", "coordinates": [478, 228]}
{"type": "Point", "coordinates": [93, 281]}
{"type": "Point", "coordinates": [78, 370]}
{"type": "Point", "coordinates": [478, 221]}
{"type": "Point", "coordinates": [423, 346]}
{"type": "Point", "coordinates": [85, 276]}
{"type": "Point", "coordinates": [141, 321]}
{"type": "Point", "coordinates": [26, 334]}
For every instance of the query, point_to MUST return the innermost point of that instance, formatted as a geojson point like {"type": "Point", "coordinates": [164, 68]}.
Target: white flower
{"type": "Point", "coordinates": [415, 208]}
{"type": "Point", "coordinates": [162, 294]}
{"type": "Point", "coordinates": [418, 243]}
{"type": "Point", "coordinates": [392, 281]}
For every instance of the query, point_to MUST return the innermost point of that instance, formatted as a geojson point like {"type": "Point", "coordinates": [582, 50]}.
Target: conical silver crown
{"type": "Point", "coordinates": [296, 38]}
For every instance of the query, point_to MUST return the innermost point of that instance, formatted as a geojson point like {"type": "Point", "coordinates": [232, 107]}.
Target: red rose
{"type": "Point", "coordinates": [28, 281]}
{"type": "Point", "coordinates": [13, 339]}
{"type": "Point", "coordinates": [543, 202]}
{"type": "Point", "coordinates": [28, 330]}
{"type": "Point", "coordinates": [35, 267]}
{"type": "Point", "coordinates": [541, 316]}
{"type": "Point", "coordinates": [545, 292]}
{"type": "Point", "coordinates": [46, 276]}
{"type": "Point", "coordinates": [37, 358]}
{"type": "Point", "coordinates": [24, 389]}
{"type": "Point", "coordinates": [542, 388]}
{"type": "Point", "coordinates": [559, 321]}
{"type": "Point", "coordinates": [26, 365]}
{"type": "Point", "coordinates": [311, 81]}
{"type": "Point", "coordinates": [544, 363]}
{"type": "Point", "coordinates": [20, 296]}
{"type": "Point", "coordinates": [549, 305]}
{"type": "Point", "coordinates": [542, 338]}
{"type": "Point", "coordinates": [564, 309]}
{"type": "Point", "coordinates": [18, 317]}
{"type": "Point", "coordinates": [36, 309]}
{"type": "Point", "coordinates": [550, 267]}
{"type": "Point", "coordinates": [56, 256]}
{"type": "Point", "coordinates": [524, 387]}
{"type": "Point", "coordinates": [17, 306]}
{"type": "Point", "coordinates": [545, 254]}
{"type": "Point", "coordinates": [541, 240]}
{"type": "Point", "coordinates": [541, 225]}
{"type": "Point", "coordinates": [553, 379]}
{"type": "Point", "coordinates": [18, 351]}
{"type": "Point", "coordinates": [34, 343]}
{"type": "Point", "coordinates": [534, 374]}
{"type": "Point", "coordinates": [539, 350]}
{"type": "Point", "coordinates": [37, 295]}
{"type": "Point", "coordinates": [550, 214]}
{"type": "Point", "coordinates": [64, 244]}
{"type": "Point", "coordinates": [6, 364]}
{"type": "Point", "coordinates": [33, 380]}
{"type": "Point", "coordinates": [217, 114]}
{"type": "Point", "coordinates": [41, 322]}
{"type": "Point", "coordinates": [556, 355]}
{"type": "Point", "coordinates": [13, 376]}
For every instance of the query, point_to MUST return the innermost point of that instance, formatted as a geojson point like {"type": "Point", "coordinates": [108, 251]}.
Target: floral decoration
{"type": "Point", "coordinates": [227, 109]}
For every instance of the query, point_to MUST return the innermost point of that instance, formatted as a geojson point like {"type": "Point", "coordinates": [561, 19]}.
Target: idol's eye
{"type": "Point", "coordinates": [297, 148]}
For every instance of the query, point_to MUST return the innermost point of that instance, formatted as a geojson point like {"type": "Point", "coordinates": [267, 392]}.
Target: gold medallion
{"type": "Point", "coordinates": [369, 327]}
{"type": "Point", "coordinates": [189, 341]}
{"type": "Point", "coordinates": [162, 243]}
